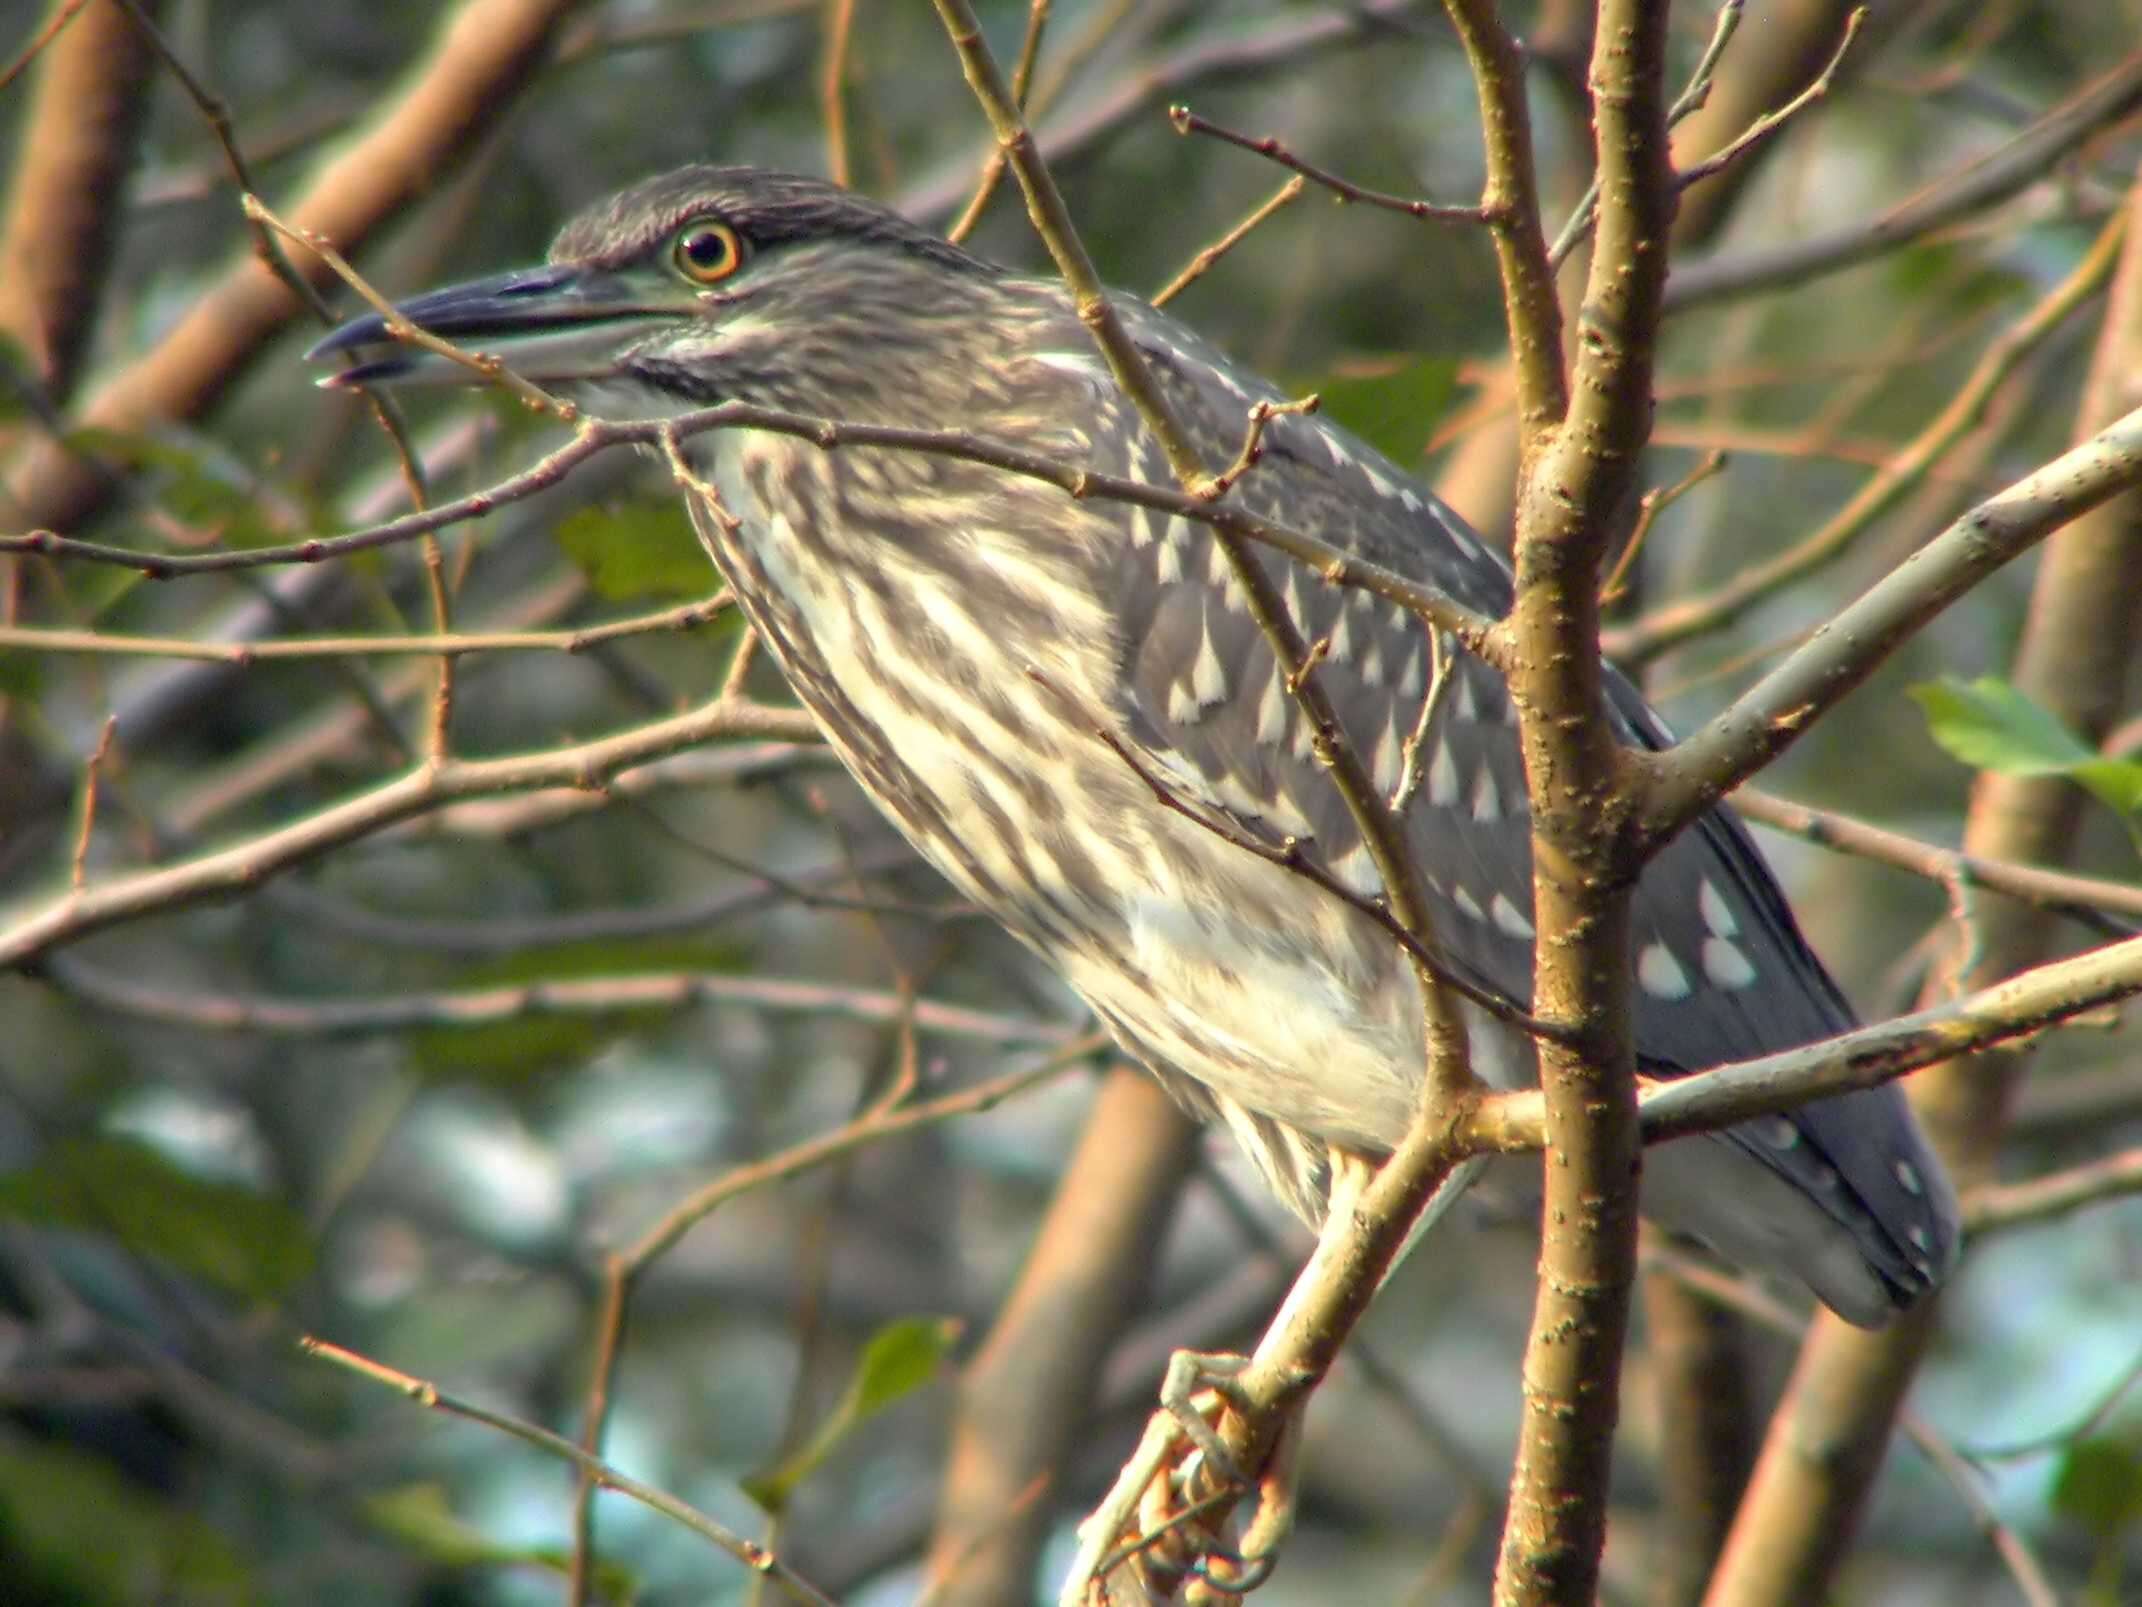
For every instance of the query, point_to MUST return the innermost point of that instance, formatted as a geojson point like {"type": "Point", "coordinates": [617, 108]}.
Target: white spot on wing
{"type": "Point", "coordinates": [1304, 739]}
{"type": "Point", "coordinates": [1272, 710]}
{"type": "Point", "coordinates": [1342, 636]}
{"type": "Point", "coordinates": [1390, 756]}
{"type": "Point", "coordinates": [1208, 676]}
{"type": "Point", "coordinates": [1409, 678]}
{"type": "Point", "coordinates": [1295, 606]}
{"type": "Point", "coordinates": [1724, 963]}
{"type": "Point", "coordinates": [1082, 365]}
{"type": "Point", "coordinates": [1410, 499]}
{"type": "Point", "coordinates": [1356, 871]}
{"type": "Point", "coordinates": [1443, 776]}
{"type": "Point", "coordinates": [1509, 917]}
{"type": "Point", "coordinates": [1465, 705]}
{"type": "Point", "coordinates": [1660, 974]}
{"type": "Point", "coordinates": [1372, 660]}
{"type": "Point", "coordinates": [1487, 797]}
{"type": "Point", "coordinates": [1168, 562]}
{"type": "Point", "coordinates": [1717, 914]}
{"type": "Point", "coordinates": [1468, 906]}
{"type": "Point", "coordinates": [1908, 1178]}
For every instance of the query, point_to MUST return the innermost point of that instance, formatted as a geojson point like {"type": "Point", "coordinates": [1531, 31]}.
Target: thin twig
{"type": "Point", "coordinates": [1251, 453]}
{"type": "Point", "coordinates": [279, 1016]}
{"type": "Point", "coordinates": [1692, 100]}
{"type": "Point", "coordinates": [2088, 899]}
{"type": "Point", "coordinates": [839, 31]}
{"type": "Point", "coordinates": [1037, 20]}
{"type": "Point", "coordinates": [1677, 622]}
{"type": "Point", "coordinates": [594, 436]}
{"type": "Point", "coordinates": [401, 329]}
{"type": "Point", "coordinates": [246, 655]}
{"type": "Point", "coordinates": [1654, 502]}
{"type": "Point", "coordinates": [428, 1395]}
{"type": "Point", "coordinates": [78, 862]}
{"type": "Point", "coordinates": [54, 25]}
{"type": "Point", "coordinates": [1767, 125]}
{"type": "Point", "coordinates": [1188, 122]}
{"type": "Point", "coordinates": [1202, 263]}
{"type": "Point", "coordinates": [1976, 184]}
{"type": "Point", "coordinates": [877, 1124]}
{"type": "Point", "coordinates": [1995, 1206]}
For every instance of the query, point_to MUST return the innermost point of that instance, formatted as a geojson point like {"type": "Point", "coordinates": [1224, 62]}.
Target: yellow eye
{"type": "Point", "coordinates": [707, 252]}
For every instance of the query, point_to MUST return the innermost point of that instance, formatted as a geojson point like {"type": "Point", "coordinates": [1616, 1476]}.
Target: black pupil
{"type": "Point", "coordinates": [707, 248]}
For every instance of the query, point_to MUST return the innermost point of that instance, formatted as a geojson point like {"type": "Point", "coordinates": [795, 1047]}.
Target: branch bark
{"type": "Point", "coordinates": [1582, 854]}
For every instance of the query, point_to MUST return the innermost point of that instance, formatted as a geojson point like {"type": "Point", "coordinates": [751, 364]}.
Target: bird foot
{"type": "Point", "coordinates": [1191, 1550]}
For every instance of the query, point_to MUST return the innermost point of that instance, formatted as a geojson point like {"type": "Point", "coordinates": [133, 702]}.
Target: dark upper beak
{"type": "Point", "coordinates": [549, 323]}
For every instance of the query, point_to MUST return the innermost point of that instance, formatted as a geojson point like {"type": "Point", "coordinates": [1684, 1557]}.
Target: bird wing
{"type": "Point", "coordinates": [1722, 970]}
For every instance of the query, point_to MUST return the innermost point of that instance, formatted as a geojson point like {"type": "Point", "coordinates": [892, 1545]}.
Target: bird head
{"type": "Point", "coordinates": [704, 285]}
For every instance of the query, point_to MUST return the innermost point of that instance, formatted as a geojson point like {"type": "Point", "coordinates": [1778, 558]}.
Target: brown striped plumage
{"type": "Point", "coordinates": [1005, 669]}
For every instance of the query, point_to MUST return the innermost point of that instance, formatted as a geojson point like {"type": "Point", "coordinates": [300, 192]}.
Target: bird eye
{"type": "Point", "coordinates": [707, 253]}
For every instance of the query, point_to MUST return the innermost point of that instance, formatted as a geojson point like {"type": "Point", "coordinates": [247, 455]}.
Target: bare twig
{"type": "Point", "coordinates": [1202, 263]}
{"type": "Point", "coordinates": [245, 655]}
{"type": "Point", "coordinates": [32, 931]}
{"type": "Point", "coordinates": [1655, 502]}
{"type": "Point", "coordinates": [1691, 100]}
{"type": "Point", "coordinates": [1251, 453]}
{"type": "Point", "coordinates": [752, 1555]}
{"type": "Point", "coordinates": [1037, 21]}
{"type": "Point", "coordinates": [1188, 122]}
{"type": "Point", "coordinates": [2088, 899]}
{"type": "Point", "coordinates": [78, 862]}
{"type": "Point", "coordinates": [1766, 126]}
{"type": "Point", "coordinates": [62, 14]}
{"type": "Point", "coordinates": [839, 34]}
{"type": "Point", "coordinates": [593, 436]}
{"type": "Point", "coordinates": [485, 367]}
{"type": "Point", "coordinates": [1993, 1206]}
{"type": "Point", "coordinates": [337, 1017]}
{"type": "Point", "coordinates": [1984, 181]}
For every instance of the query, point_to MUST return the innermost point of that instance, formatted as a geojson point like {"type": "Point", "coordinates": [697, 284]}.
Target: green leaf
{"type": "Point", "coordinates": [420, 1519]}
{"type": "Point", "coordinates": [1392, 406]}
{"type": "Point", "coordinates": [2100, 1486]}
{"type": "Point", "coordinates": [900, 1358]}
{"type": "Point", "coordinates": [1990, 725]}
{"type": "Point", "coordinates": [224, 1234]}
{"type": "Point", "coordinates": [70, 1519]}
{"type": "Point", "coordinates": [637, 549]}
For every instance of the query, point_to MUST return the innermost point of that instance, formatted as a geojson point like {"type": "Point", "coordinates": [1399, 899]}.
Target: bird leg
{"type": "Point", "coordinates": [1184, 1506]}
{"type": "Point", "coordinates": [1164, 1519]}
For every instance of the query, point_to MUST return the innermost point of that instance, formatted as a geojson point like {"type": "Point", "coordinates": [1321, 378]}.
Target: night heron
{"type": "Point", "coordinates": [1008, 670]}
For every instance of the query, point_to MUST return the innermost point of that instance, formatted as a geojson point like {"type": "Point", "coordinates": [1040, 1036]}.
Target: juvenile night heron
{"type": "Point", "coordinates": [962, 633]}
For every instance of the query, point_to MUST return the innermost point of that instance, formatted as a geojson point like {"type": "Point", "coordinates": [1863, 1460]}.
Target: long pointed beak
{"type": "Point", "coordinates": [548, 324]}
